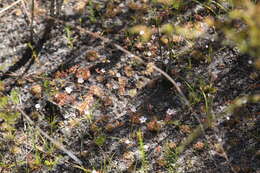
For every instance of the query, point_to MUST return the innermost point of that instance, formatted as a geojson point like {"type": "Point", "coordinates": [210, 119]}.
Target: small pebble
{"type": "Point", "coordinates": [118, 75]}
{"type": "Point", "coordinates": [37, 106]}
{"type": "Point", "coordinates": [143, 119]}
{"type": "Point", "coordinates": [68, 90]}
{"type": "Point", "coordinates": [228, 118]}
{"type": "Point", "coordinates": [133, 109]}
{"type": "Point", "coordinates": [122, 5]}
{"type": "Point", "coordinates": [80, 80]}
{"type": "Point", "coordinates": [166, 61]}
{"type": "Point", "coordinates": [103, 70]}
{"type": "Point", "coordinates": [127, 141]}
{"type": "Point", "coordinates": [171, 111]}
{"type": "Point", "coordinates": [131, 55]}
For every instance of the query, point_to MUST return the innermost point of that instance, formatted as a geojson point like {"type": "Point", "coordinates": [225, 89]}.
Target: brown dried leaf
{"type": "Point", "coordinates": [161, 162]}
{"type": "Point", "coordinates": [135, 118]}
{"type": "Point", "coordinates": [165, 39]}
{"type": "Point", "coordinates": [149, 69]}
{"type": "Point", "coordinates": [73, 122]}
{"type": "Point", "coordinates": [96, 90]}
{"type": "Point", "coordinates": [73, 69]}
{"type": "Point", "coordinates": [100, 78]}
{"type": "Point", "coordinates": [129, 155]}
{"type": "Point", "coordinates": [111, 126]}
{"type": "Point", "coordinates": [60, 74]}
{"type": "Point", "coordinates": [158, 149]}
{"type": "Point", "coordinates": [94, 128]}
{"type": "Point", "coordinates": [112, 10]}
{"type": "Point", "coordinates": [172, 145]}
{"type": "Point", "coordinates": [112, 72]}
{"type": "Point", "coordinates": [219, 149]}
{"type": "Point", "coordinates": [17, 12]}
{"type": "Point", "coordinates": [108, 101]}
{"type": "Point", "coordinates": [140, 84]}
{"type": "Point", "coordinates": [80, 5]}
{"type": "Point", "coordinates": [109, 85]}
{"type": "Point", "coordinates": [137, 6]}
{"type": "Point", "coordinates": [168, 118]}
{"type": "Point", "coordinates": [237, 168]}
{"type": "Point", "coordinates": [36, 89]}
{"type": "Point", "coordinates": [199, 145]}
{"type": "Point", "coordinates": [185, 129]}
{"type": "Point", "coordinates": [139, 46]}
{"type": "Point", "coordinates": [209, 21]}
{"type": "Point", "coordinates": [63, 98]}
{"type": "Point", "coordinates": [15, 150]}
{"type": "Point", "coordinates": [122, 82]}
{"type": "Point", "coordinates": [86, 104]}
{"type": "Point", "coordinates": [83, 73]}
{"type": "Point", "coordinates": [121, 91]}
{"type": "Point", "coordinates": [177, 38]}
{"type": "Point", "coordinates": [132, 92]}
{"type": "Point", "coordinates": [154, 126]}
{"type": "Point", "coordinates": [92, 55]}
{"type": "Point", "coordinates": [129, 71]}
{"type": "Point", "coordinates": [38, 10]}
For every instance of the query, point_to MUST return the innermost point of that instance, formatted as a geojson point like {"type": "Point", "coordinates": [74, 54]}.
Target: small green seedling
{"type": "Point", "coordinates": [100, 140]}
{"type": "Point", "coordinates": [142, 152]}
{"type": "Point", "coordinates": [69, 38]}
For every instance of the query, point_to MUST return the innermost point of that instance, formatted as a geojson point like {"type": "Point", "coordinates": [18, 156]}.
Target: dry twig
{"type": "Point", "coordinates": [56, 143]}
{"type": "Point", "coordinates": [10, 6]}
{"type": "Point", "coordinates": [138, 58]}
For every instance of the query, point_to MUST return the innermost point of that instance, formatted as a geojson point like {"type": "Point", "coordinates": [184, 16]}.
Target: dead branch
{"type": "Point", "coordinates": [138, 58]}
{"type": "Point", "coordinates": [9, 7]}
{"type": "Point", "coordinates": [56, 143]}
